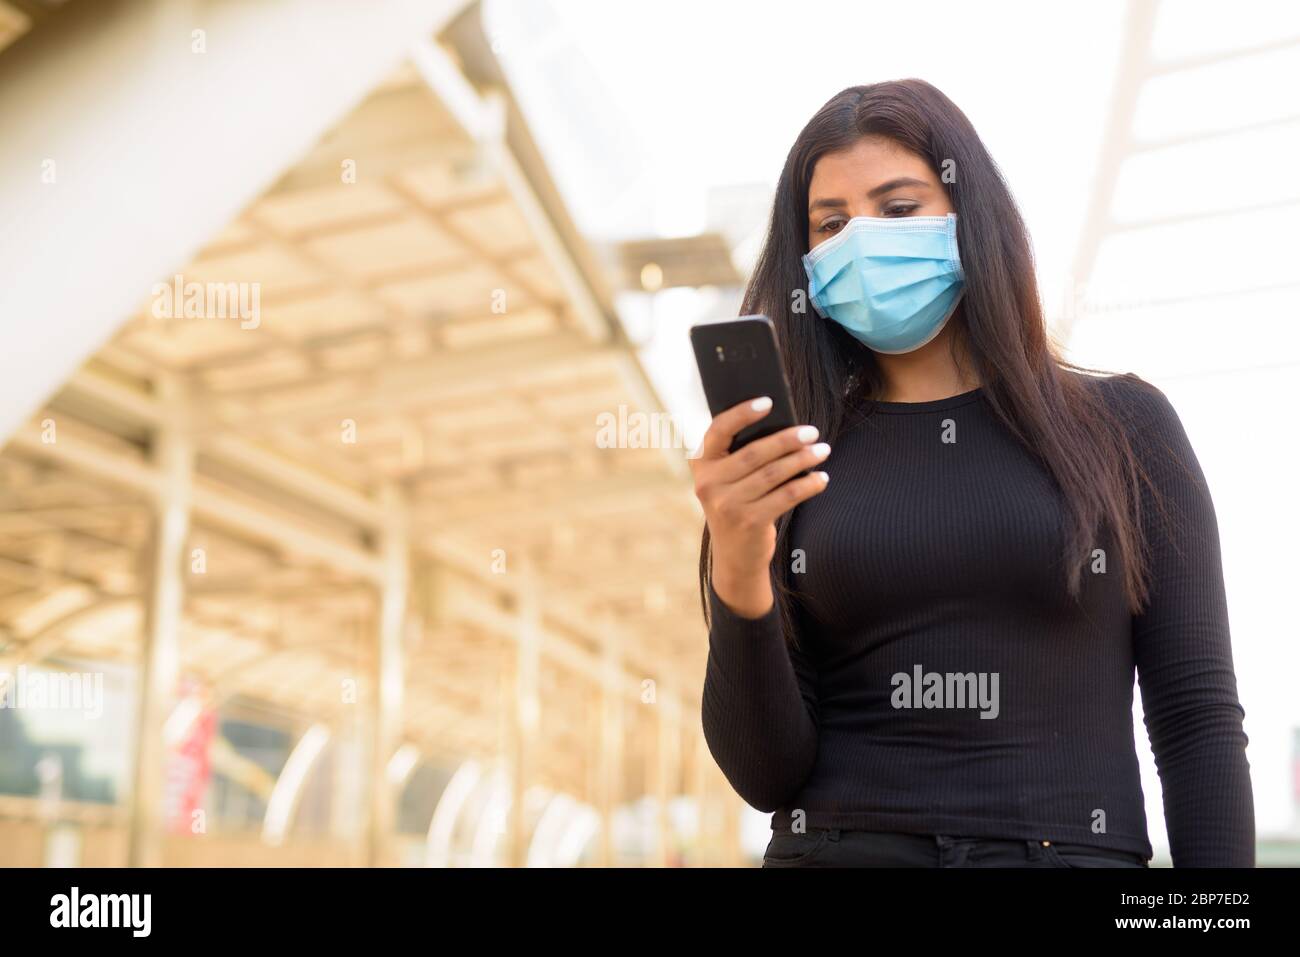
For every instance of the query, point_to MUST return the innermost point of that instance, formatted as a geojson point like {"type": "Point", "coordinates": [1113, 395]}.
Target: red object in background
{"type": "Point", "coordinates": [189, 768]}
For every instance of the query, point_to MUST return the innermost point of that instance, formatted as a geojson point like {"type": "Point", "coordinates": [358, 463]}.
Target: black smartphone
{"type": "Point", "coordinates": [740, 360]}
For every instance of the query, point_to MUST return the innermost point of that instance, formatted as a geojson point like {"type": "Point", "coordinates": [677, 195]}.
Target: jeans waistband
{"type": "Point", "coordinates": [835, 834]}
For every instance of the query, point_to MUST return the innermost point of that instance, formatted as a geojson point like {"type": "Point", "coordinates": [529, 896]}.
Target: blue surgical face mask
{"type": "Point", "coordinates": [892, 283]}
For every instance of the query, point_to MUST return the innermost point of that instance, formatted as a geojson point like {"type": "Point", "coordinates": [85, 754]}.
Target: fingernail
{"type": "Point", "coordinates": [825, 477]}
{"type": "Point", "coordinates": [806, 433]}
{"type": "Point", "coordinates": [821, 450]}
{"type": "Point", "coordinates": [762, 404]}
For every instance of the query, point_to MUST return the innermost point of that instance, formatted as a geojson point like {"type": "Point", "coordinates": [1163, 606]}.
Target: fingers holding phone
{"type": "Point", "coordinates": [772, 472]}
{"type": "Point", "coordinates": [744, 492]}
{"type": "Point", "coordinates": [761, 481]}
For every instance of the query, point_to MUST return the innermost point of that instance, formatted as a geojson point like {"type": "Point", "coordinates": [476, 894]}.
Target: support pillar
{"type": "Point", "coordinates": [666, 766]}
{"type": "Point", "coordinates": [610, 791]}
{"type": "Point", "coordinates": [164, 589]}
{"type": "Point", "coordinates": [706, 835]}
{"type": "Point", "coordinates": [525, 709]}
{"type": "Point", "coordinates": [388, 679]}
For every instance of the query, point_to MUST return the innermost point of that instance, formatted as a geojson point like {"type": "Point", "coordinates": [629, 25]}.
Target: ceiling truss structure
{"type": "Point", "coordinates": [421, 386]}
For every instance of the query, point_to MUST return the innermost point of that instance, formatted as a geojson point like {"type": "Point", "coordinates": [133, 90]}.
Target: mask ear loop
{"type": "Point", "coordinates": [811, 298]}
{"type": "Point", "coordinates": [810, 262]}
{"type": "Point", "coordinates": [954, 255]}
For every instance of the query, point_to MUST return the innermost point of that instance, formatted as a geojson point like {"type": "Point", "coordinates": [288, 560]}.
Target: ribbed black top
{"type": "Point", "coordinates": [931, 556]}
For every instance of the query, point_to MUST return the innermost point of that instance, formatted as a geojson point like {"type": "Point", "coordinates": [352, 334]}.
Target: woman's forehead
{"type": "Point", "coordinates": [869, 158]}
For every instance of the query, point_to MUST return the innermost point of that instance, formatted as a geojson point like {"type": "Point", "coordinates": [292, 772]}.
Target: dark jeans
{"type": "Point", "coordinates": [832, 847]}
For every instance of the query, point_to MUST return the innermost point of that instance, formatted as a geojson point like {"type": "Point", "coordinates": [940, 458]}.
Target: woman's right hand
{"type": "Point", "coordinates": [743, 496]}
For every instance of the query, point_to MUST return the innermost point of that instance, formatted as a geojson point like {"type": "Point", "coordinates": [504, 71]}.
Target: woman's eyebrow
{"type": "Point", "coordinates": [827, 203]}
{"type": "Point", "coordinates": [897, 183]}
{"type": "Point", "coordinates": [893, 184]}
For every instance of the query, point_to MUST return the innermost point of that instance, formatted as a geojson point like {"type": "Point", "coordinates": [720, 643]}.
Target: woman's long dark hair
{"type": "Point", "coordinates": [1040, 398]}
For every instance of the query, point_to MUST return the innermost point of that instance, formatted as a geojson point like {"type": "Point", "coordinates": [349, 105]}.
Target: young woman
{"type": "Point", "coordinates": [929, 661]}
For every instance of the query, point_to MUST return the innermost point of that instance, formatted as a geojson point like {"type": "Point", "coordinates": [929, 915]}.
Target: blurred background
{"type": "Point", "coordinates": [345, 516]}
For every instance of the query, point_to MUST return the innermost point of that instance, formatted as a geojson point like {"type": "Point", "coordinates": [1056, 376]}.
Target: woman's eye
{"type": "Point", "coordinates": [830, 226]}
{"type": "Point", "coordinates": [900, 209]}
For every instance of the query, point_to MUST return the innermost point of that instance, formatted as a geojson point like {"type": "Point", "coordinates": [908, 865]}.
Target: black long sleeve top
{"type": "Point", "coordinates": [942, 681]}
